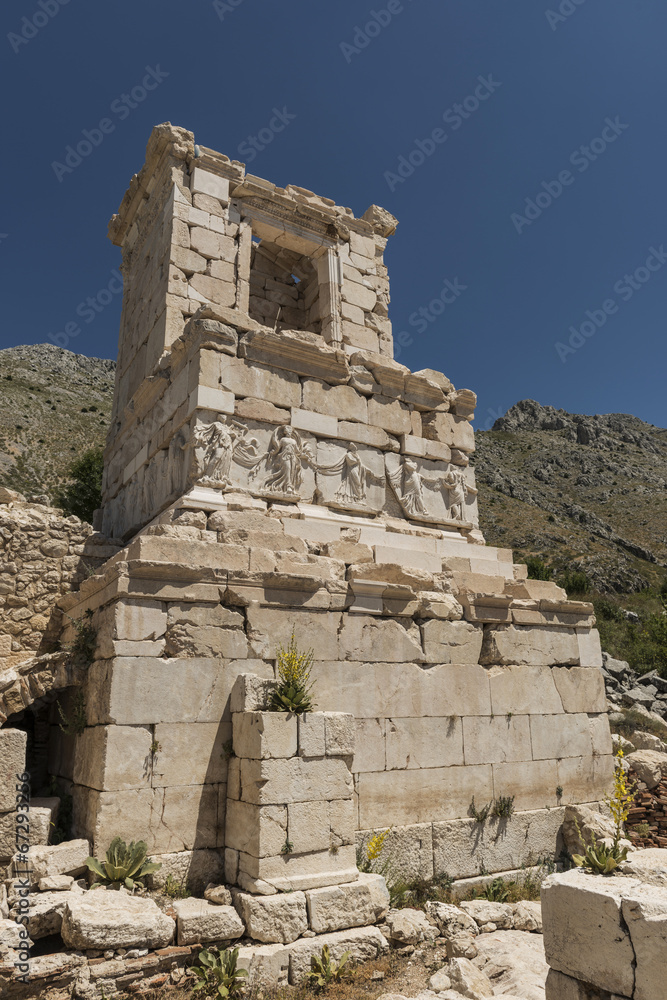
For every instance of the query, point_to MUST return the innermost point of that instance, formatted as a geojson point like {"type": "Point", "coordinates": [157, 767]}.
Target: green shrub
{"type": "Point", "coordinates": [83, 494]}
{"type": "Point", "coordinates": [574, 582]}
{"type": "Point", "coordinates": [537, 569]}
{"type": "Point", "coordinates": [124, 865]}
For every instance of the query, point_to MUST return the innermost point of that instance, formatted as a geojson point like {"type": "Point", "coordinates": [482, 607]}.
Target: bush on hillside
{"type": "Point", "coordinates": [537, 569]}
{"type": "Point", "coordinates": [83, 494]}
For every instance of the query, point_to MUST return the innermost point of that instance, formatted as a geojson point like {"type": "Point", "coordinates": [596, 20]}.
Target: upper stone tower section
{"type": "Point", "coordinates": [256, 355]}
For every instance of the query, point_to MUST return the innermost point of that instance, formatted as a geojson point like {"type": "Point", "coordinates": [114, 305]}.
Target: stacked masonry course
{"type": "Point", "coordinates": [271, 469]}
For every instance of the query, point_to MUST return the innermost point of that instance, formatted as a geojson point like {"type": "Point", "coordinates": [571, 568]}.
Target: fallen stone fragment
{"type": "Point", "coordinates": [280, 918]}
{"type": "Point", "coordinates": [101, 919]}
{"type": "Point", "coordinates": [363, 943]}
{"type": "Point", "coordinates": [200, 921]}
{"type": "Point", "coordinates": [12, 935]}
{"type": "Point", "coordinates": [450, 920]}
{"type": "Point", "coordinates": [583, 826]}
{"type": "Point", "coordinates": [469, 981]}
{"type": "Point", "coordinates": [527, 916]}
{"type": "Point", "coordinates": [440, 981]}
{"type": "Point", "coordinates": [218, 894]}
{"type": "Point", "coordinates": [46, 913]}
{"type": "Point", "coordinates": [461, 945]}
{"type": "Point", "coordinates": [61, 859]}
{"type": "Point", "coordinates": [56, 883]}
{"type": "Point", "coordinates": [409, 927]}
{"type": "Point", "coordinates": [514, 962]}
{"type": "Point", "coordinates": [484, 912]}
{"type": "Point", "coordinates": [649, 766]}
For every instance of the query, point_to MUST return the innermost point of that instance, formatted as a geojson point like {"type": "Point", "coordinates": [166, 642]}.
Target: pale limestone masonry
{"type": "Point", "coordinates": [606, 938]}
{"type": "Point", "coordinates": [272, 469]}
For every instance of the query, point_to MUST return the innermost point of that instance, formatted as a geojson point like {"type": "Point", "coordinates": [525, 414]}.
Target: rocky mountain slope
{"type": "Point", "coordinates": [580, 492]}
{"type": "Point", "coordinates": [53, 406]}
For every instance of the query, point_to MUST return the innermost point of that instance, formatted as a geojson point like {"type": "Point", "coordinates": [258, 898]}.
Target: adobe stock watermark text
{"type": "Point", "coordinates": [581, 158]}
{"type": "Point", "coordinates": [624, 288]}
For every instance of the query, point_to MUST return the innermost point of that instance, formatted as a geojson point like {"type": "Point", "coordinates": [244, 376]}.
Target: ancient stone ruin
{"type": "Point", "coordinates": [271, 470]}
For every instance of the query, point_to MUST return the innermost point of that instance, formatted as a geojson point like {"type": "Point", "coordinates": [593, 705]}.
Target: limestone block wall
{"type": "Point", "coordinates": [290, 820]}
{"type": "Point", "coordinates": [463, 680]}
{"type": "Point", "coordinates": [43, 554]}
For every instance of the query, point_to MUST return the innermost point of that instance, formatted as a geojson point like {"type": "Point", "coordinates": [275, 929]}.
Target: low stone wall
{"type": "Point", "coordinates": [605, 938]}
{"type": "Point", "coordinates": [43, 555]}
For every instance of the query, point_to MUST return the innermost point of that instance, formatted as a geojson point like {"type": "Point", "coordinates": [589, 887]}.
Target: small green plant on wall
{"type": "Point", "coordinates": [503, 806]}
{"type": "Point", "coordinates": [294, 691]}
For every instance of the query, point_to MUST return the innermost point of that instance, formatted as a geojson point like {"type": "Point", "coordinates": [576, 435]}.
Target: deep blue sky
{"type": "Point", "coordinates": [355, 114]}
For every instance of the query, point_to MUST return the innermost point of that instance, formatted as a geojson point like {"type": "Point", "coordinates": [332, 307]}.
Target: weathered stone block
{"type": "Point", "coordinates": [417, 743]}
{"type": "Point", "coordinates": [68, 858]}
{"type": "Point", "coordinates": [294, 872]}
{"type": "Point", "coordinates": [193, 870]}
{"type": "Point", "coordinates": [585, 779]}
{"type": "Point", "coordinates": [645, 915]}
{"type": "Point", "coordinates": [518, 644]}
{"type": "Point", "coordinates": [417, 796]}
{"type": "Point", "coordinates": [125, 690]}
{"type": "Point", "coordinates": [581, 688]}
{"type": "Point", "coordinates": [491, 740]}
{"type": "Point", "coordinates": [137, 620]}
{"type": "Point", "coordinates": [269, 628]}
{"type": "Point", "coordinates": [268, 782]}
{"type": "Point", "coordinates": [105, 919]}
{"type": "Point", "coordinates": [46, 913]}
{"type": "Point", "coordinates": [369, 754]}
{"type": "Point", "coordinates": [560, 736]}
{"type": "Point", "coordinates": [311, 734]}
{"type": "Point", "coordinates": [532, 782]}
{"type": "Point", "coordinates": [190, 753]}
{"type": "Point", "coordinates": [354, 904]}
{"type": "Point", "coordinates": [264, 735]}
{"type": "Point", "coordinates": [260, 831]}
{"type": "Point", "coordinates": [452, 641]}
{"type": "Point", "coordinates": [266, 964]}
{"type": "Point", "coordinates": [111, 758]}
{"type": "Point", "coordinates": [365, 638]}
{"type": "Point", "coordinates": [280, 918]}
{"type": "Point", "coordinates": [372, 690]}
{"type": "Point", "coordinates": [198, 920]}
{"type": "Point", "coordinates": [585, 934]}
{"type": "Point", "coordinates": [525, 690]}
{"type": "Point", "coordinates": [462, 846]}
{"type": "Point", "coordinates": [339, 734]}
